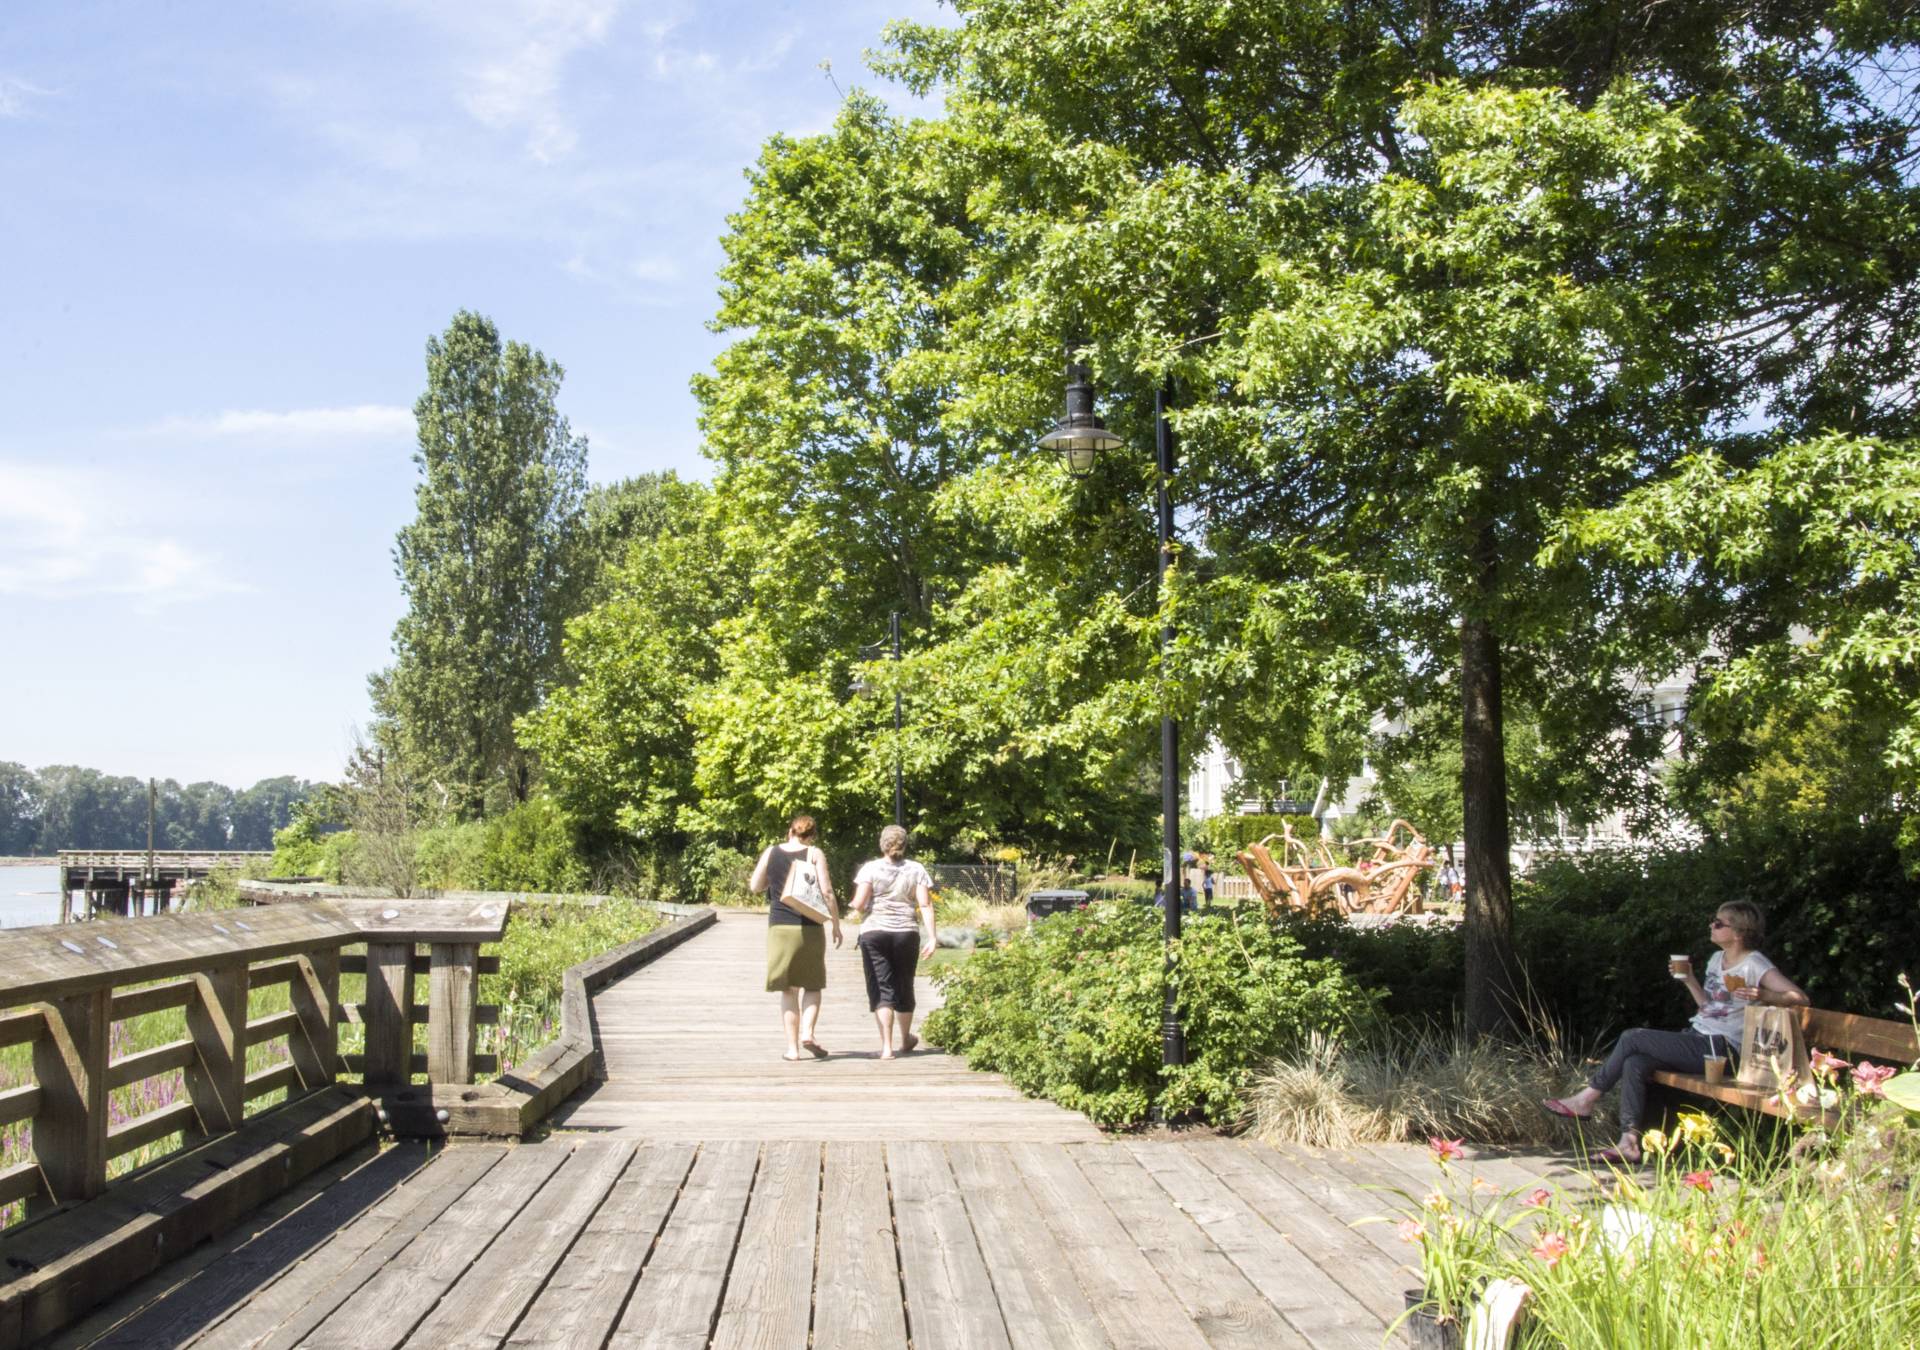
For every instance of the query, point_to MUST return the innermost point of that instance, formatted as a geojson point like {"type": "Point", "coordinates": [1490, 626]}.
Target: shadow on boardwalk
{"type": "Point", "coordinates": [710, 1194]}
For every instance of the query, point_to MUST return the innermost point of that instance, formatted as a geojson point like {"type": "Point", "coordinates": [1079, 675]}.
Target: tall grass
{"type": "Point", "coordinates": [1400, 1084]}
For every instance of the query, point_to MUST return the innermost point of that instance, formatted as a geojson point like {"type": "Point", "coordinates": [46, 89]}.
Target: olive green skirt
{"type": "Point", "coordinates": [796, 957]}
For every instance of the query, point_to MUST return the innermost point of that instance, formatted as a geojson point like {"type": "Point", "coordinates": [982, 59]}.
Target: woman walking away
{"type": "Point", "coordinates": [890, 889]}
{"type": "Point", "coordinates": [1738, 975]}
{"type": "Point", "coordinates": [796, 944]}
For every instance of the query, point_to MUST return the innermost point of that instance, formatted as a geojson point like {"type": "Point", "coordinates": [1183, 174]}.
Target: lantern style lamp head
{"type": "Point", "coordinates": [1080, 436]}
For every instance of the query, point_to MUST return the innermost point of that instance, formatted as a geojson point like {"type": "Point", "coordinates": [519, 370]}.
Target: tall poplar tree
{"type": "Point", "coordinates": [483, 566]}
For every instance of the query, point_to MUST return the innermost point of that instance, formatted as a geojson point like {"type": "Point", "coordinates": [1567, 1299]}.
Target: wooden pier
{"type": "Point", "coordinates": [132, 882]}
{"type": "Point", "coordinates": [708, 1194]}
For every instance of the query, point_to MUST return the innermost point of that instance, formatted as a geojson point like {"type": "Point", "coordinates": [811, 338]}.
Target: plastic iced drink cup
{"type": "Point", "coordinates": [1716, 1067]}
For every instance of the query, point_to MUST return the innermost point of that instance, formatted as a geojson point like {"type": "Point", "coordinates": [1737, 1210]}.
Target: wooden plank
{"type": "Point", "coordinates": [314, 995]}
{"type": "Point", "coordinates": [271, 1079]}
{"type": "Point", "coordinates": [217, 1021]}
{"type": "Point", "coordinates": [674, 1304]}
{"type": "Point", "coordinates": [1134, 1305]}
{"type": "Point", "coordinates": [1217, 1298]}
{"type": "Point", "coordinates": [384, 1311]}
{"type": "Point", "coordinates": [1365, 1271]}
{"type": "Point", "coordinates": [18, 1104]}
{"type": "Point", "coordinates": [22, 1028]}
{"type": "Point", "coordinates": [154, 1125]}
{"type": "Point", "coordinates": [60, 1268]}
{"type": "Point", "coordinates": [769, 1295]}
{"type": "Point", "coordinates": [281, 1314]}
{"type": "Point", "coordinates": [272, 1026]}
{"type": "Point", "coordinates": [146, 1063]}
{"type": "Point", "coordinates": [1877, 1037]}
{"type": "Point", "coordinates": [410, 921]}
{"type": "Point", "coordinates": [950, 1300]}
{"type": "Point", "coordinates": [484, 1305]}
{"type": "Point", "coordinates": [584, 1297]}
{"type": "Point", "coordinates": [451, 1029]}
{"type": "Point", "coordinates": [1311, 1301]}
{"type": "Point", "coordinates": [355, 963]}
{"type": "Point", "coordinates": [152, 999]}
{"type": "Point", "coordinates": [193, 1293]}
{"type": "Point", "coordinates": [1353, 1195]}
{"type": "Point", "coordinates": [272, 973]}
{"type": "Point", "coordinates": [54, 962]}
{"type": "Point", "coordinates": [70, 1064]}
{"type": "Point", "coordinates": [1040, 1297]}
{"type": "Point", "coordinates": [388, 1010]}
{"type": "Point", "coordinates": [861, 1307]}
{"type": "Point", "coordinates": [22, 1181]}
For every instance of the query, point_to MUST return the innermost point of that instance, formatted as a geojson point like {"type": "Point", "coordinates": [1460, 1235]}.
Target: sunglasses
{"type": "Point", "coordinates": [1719, 923]}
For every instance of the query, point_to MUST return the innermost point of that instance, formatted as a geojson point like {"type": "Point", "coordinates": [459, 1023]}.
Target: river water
{"type": "Point", "coordinates": [29, 895]}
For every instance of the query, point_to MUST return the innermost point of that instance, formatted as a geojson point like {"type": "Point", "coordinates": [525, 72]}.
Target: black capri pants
{"type": "Point", "coordinates": [890, 958]}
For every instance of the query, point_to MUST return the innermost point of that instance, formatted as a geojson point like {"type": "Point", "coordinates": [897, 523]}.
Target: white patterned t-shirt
{"type": "Point", "coordinates": [896, 887]}
{"type": "Point", "coordinates": [1724, 1017]}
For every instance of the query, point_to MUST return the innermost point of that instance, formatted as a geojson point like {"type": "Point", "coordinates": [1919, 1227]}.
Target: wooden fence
{"type": "Point", "coordinates": [62, 990]}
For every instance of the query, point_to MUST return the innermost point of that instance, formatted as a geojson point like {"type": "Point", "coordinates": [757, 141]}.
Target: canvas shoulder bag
{"type": "Point", "coordinates": [1771, 1046]}
{"type": "Point", "coordinates": [803, 893]}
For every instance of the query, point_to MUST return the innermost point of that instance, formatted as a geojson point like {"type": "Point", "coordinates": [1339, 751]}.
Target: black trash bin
{"type": "Point", "coordinates": [1042, 903]}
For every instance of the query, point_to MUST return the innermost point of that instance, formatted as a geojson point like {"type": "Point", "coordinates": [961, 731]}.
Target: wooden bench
{"type": "Point", "coordinates": [1845, 1034]}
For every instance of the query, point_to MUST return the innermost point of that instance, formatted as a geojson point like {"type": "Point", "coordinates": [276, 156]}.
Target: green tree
{"type": "Point", "coordinates": [1426, 281]}
{"type": "Point", "coordinates": [19, 809]}
{"type": "Point", "coordinates": [260, 811]}
{"type": "Point", "coordinates": [616, 744]}
{"type": "Point", "coordinates": [482, 566]}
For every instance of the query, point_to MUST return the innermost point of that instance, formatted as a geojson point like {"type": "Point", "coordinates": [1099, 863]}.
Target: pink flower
{"type": "Point", "coordinates": [1549, 1248]}
{"type": "Point", "coordinates": [1410, 1230]}
{"type": "Point", "coordinates": [1539, 1197]}
{"type": "Point", "coordinates": [1868, 1078]}
{"type": "Point", "coordinates": [1700, 1181]}
{"type": "Point", "coordinates": [1825, 1064]}
{"type": "Point", "coordinates": [1443, 1149]}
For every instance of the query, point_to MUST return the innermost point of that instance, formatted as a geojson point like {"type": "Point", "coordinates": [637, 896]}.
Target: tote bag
{"type": "Point", "coordinates": [1771, 1045]}
{"type": "Point", "coordinates": [802, 893]}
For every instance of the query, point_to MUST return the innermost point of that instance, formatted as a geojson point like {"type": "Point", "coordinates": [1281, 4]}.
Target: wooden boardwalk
{"type": "Point", "coordinates": [710, 1194]}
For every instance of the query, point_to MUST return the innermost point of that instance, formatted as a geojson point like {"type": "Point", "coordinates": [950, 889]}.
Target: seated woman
{"type": "Point", "coordinates": [1737, 930]}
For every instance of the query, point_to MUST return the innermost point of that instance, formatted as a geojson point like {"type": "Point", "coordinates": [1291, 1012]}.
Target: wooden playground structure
{"type": "Point", "coordinates": [1306, 877]}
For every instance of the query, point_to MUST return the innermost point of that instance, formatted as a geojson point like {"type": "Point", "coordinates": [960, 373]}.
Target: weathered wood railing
{"type": "Point", "coordinates": [62, 990]}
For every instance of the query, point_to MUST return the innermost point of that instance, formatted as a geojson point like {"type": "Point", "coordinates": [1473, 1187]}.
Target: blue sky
{"type": "Point", "coordinates": [226, 232]}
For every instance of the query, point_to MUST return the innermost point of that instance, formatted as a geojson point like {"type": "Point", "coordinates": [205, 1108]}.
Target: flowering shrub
{"type": "Point", "coordinates": [1070, 1009]}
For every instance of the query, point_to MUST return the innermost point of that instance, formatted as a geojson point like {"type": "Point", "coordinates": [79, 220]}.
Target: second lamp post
{"type": "Point", "coordinates": [1078, 438]}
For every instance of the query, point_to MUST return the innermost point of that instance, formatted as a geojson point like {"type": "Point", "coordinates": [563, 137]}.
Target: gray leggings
{"type": "Point", "coordinates": [1636, 1056]}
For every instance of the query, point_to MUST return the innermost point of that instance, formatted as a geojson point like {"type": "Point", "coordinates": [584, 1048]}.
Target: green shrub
{"type": "Point", "coordinates": [1070, 1009]}
{"type": "Point", "coordinates": [299, 851]}
{"type": "Point", "coordinates": [452, 857]}
{"type": "Point", "coordinates": [1594, 931]}
{"type": "Point", "coordinates": [532, 848]}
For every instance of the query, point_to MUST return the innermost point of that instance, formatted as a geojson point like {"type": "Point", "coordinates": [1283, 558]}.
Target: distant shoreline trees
{"type": "Point", "coordinates": [64, 806]}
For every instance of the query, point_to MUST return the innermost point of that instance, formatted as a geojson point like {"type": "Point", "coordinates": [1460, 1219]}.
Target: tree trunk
{"type": "Point", "coordinates": [1491, 988]}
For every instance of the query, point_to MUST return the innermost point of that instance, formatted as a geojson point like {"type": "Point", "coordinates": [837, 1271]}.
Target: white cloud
{"type": "Point", "coordinates": [515, 85]}
{"type": "Point", "coordinates": [656, 270]}
{"type": "Point", "coordinates": [69, 532]}
{"type": "Point", "coordinates": [17, 96]}
{"type": "Point", "coordinates": [364, 422]}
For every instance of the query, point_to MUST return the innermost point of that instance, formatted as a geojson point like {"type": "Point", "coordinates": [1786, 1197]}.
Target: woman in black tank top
{"type": "Point", "coordinates": [796, 945]}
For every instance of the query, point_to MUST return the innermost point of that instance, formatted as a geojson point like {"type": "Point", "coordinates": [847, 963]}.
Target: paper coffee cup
{"type": "Point", "coordinates": [1680, 964]}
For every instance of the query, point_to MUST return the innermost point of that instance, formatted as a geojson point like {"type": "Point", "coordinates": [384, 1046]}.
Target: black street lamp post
{"type": "Point", "coordinates": [860, 686]}
{"type": "Point", "coordinates": [1079, 437]}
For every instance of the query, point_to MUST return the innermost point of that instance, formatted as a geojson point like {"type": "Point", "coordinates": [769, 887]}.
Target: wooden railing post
{"type": "Point", "coordinates": [451, 995]}
{"type": "Point", "coordinates": [217, 1022]}
{"type": "Point", "coordinates": [315, 994]}
{"type": "Point", "coordinates": [388, 1014]}
{"type": "Point", "coordinates": [70, 1128]}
